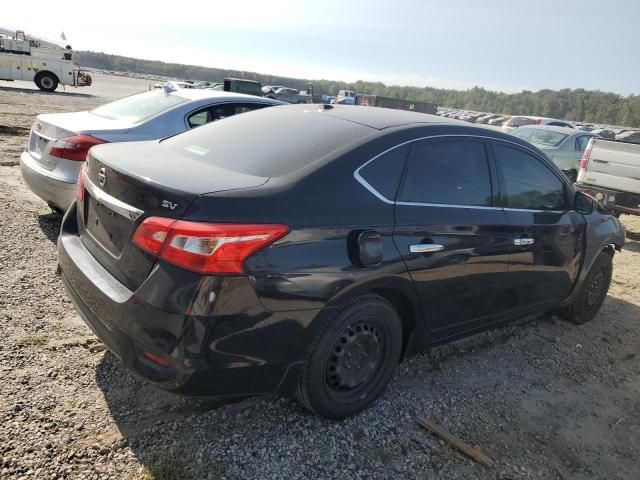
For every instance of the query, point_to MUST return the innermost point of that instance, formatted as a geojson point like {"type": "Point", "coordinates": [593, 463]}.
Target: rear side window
{"type": "Point", "coordinates": [529, 184]}
{"type": "Point", "coordinates": [452, 171]}
{"type": "Point", "coordinates": [384, 173]}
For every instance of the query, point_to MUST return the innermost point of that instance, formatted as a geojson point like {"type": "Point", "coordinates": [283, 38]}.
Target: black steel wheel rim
{"type": "Point", "coordinates": [595, 290]}
{"type": "Point", "coordinates": [354, 359]}
{"type": "Point", "coordinates": [47, 82]}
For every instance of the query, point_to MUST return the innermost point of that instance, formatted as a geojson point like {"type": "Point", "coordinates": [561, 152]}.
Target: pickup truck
{"type": "Point", "coordinates": [610, 172]}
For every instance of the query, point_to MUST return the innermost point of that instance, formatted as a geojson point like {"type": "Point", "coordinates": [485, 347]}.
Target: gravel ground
{"type": "Point", "coordinates": [543, 398]}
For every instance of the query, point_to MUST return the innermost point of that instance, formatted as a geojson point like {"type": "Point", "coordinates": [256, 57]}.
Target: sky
{"type": "Point", "coordinates": [506, 45]}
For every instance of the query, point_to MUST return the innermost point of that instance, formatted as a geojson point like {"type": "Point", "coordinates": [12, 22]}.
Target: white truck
{"type": "Point", "coordinates": [47, 63]}
{"type": "Point", "coordinates": [610, 172]}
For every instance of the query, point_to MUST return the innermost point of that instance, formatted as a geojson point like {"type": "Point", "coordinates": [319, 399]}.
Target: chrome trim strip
{"type": "Point", "coordinates": [42, 135]}
{"type": "Point", "coordinates": [522, 242]}
{"type": "Point", "coordinates": [369, 187]}
{"type": "Point", "coordinates": [446, 205]}
{"type": "Point", "coordinates": [532, 210]}
{"type": "Point", "coordinates": [118, 206]}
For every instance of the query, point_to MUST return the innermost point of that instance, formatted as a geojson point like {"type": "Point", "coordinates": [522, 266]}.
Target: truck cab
{"type": "Point", "coordinates": [47, 64]}
{"type": "Point", "coordinates": [346, 97]}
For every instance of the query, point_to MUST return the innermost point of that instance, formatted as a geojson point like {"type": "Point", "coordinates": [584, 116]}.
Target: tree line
{"type": "Point", "coordinates": [592, 106]}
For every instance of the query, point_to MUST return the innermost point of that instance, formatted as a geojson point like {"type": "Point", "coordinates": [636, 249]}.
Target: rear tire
{"type": "Point", "coordinates": [352, 358]}
{"type": "Point", "coordinates": [46, 81]}
{"type": "Point", "coordinates": [592, 292]}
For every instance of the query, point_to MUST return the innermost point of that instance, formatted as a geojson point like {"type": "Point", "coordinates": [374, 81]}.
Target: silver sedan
{"type": "Point", "coordinates": [59, 142]}
{"type": "Point", "coordinates": [564, 146]}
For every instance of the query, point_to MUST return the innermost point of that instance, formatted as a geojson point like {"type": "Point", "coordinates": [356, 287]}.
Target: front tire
{"type": "Point", "coordinates": [352, 358]}
{"type": "Point", "coordinates": [592, 292]}
{"type": "Point", "coordinates": [46, 81]}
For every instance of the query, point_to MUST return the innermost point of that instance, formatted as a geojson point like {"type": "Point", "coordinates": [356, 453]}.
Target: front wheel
{"type": "Point", "coordinates": [46, 81]}
{"type": "Point", "coordinates": [593, 291]}
{"type": "Point", "coordinates": [352, 358]}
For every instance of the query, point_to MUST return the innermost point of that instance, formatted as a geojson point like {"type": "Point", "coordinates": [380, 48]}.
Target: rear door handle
{"type": "Point", "coordinates": [426, 248]}
{"type": "Point", "coordinates": [522, 242]}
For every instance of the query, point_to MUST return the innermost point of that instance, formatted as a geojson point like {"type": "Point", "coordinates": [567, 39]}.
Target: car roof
{"type": "Point", "coordinates": [203, 94]}
{"type": "Point", "coordinates": [553, 128]}
{"type": "Point", "coordinates": [376, 117]}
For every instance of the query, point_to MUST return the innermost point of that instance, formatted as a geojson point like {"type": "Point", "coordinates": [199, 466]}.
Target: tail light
{"type": "Point", "coordinates": [81, 183]}
{"type": "Point", "coordinates": [74, 148]}
{"type": "Point", "coordinates": [585, 161]}
{"type": "Point", "coordinates": [208, 248]}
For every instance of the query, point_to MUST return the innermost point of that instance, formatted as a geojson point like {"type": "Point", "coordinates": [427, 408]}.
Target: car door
{"type": "Point", "coordinates": [546, 233]}
{"type": "Point", "coordinates": [452, 234]}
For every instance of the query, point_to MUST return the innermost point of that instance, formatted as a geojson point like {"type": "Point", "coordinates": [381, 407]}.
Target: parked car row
{"type": "Point", "coordinates": [510, 122]}
{"type": "Point", "coordinates": [304, 251]}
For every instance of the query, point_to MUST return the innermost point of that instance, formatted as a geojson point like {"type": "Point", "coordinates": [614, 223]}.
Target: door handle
{"type": "Point", "coordinates": [522, 242]}
{"type": "Point", "coordinates": [426, 248]}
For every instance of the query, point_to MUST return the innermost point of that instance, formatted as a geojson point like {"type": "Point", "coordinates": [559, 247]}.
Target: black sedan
{"type": "Point", "coordinates": [304, 250]}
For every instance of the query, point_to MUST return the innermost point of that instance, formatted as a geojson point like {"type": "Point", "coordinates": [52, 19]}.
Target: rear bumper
{"type": "Point", "coordinates": [212, 334]}
{"type": "Point", "coordinates": [52, 189]}
{"type": "Point", "coordinates": [615, 200]}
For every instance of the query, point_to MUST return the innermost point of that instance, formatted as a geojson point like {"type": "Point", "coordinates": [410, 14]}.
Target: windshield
{"type": "Point", "coordinates": [137, 108]}
{"type": "Point", "coordinates": [538, 136]}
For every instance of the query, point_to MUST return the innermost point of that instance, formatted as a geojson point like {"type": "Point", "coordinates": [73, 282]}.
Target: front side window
{"type": "Point", "coordinates": [451, 171]}
{"type": "Point", "coordinates": [529, 184]}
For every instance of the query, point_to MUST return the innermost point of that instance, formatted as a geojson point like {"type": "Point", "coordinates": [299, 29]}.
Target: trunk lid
{"type": "Point", "coordinates": [127, 183]}
{"type": "Point", "coordinates": [51, 127]}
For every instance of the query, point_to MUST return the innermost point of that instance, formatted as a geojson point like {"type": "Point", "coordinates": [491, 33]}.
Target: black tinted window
{"type": "Point", "coordinates": [452, 171]}
{"type": "Point", "coordinates": [529, 184]}
{"type": "Point", "coordinates": [384, 172]}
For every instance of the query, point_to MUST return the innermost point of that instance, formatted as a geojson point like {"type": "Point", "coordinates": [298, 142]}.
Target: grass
{"type": "Point", "coordinates": [173, 467]}
{"type": "Point", "coordinates": [382, 455]}
{"type": "Point", "coordinates": [33, 340]}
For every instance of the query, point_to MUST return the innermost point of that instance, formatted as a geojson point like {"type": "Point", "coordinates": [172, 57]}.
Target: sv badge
{"type": "Point", "coordinates": [168, 204]}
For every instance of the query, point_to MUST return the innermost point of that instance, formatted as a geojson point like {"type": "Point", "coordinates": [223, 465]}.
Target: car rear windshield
{"type": "Point", "coordinates": [271, 142]}
{"type": "Point", "coordinates": [137, 108]}
{"type": "Point", "coordinates": [537, 136]}
{"type": "Point", "coordinates": [519, 121]}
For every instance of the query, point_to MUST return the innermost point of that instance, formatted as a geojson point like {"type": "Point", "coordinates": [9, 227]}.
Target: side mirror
{"type": "Point", "coordinates": [583, 203]}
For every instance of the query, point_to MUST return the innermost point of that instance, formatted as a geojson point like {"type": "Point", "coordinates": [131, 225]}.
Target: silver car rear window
{"type": "Point", "coordinates": [137, 108]}
{"type": "Point", "coordinates": [536, 136]}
